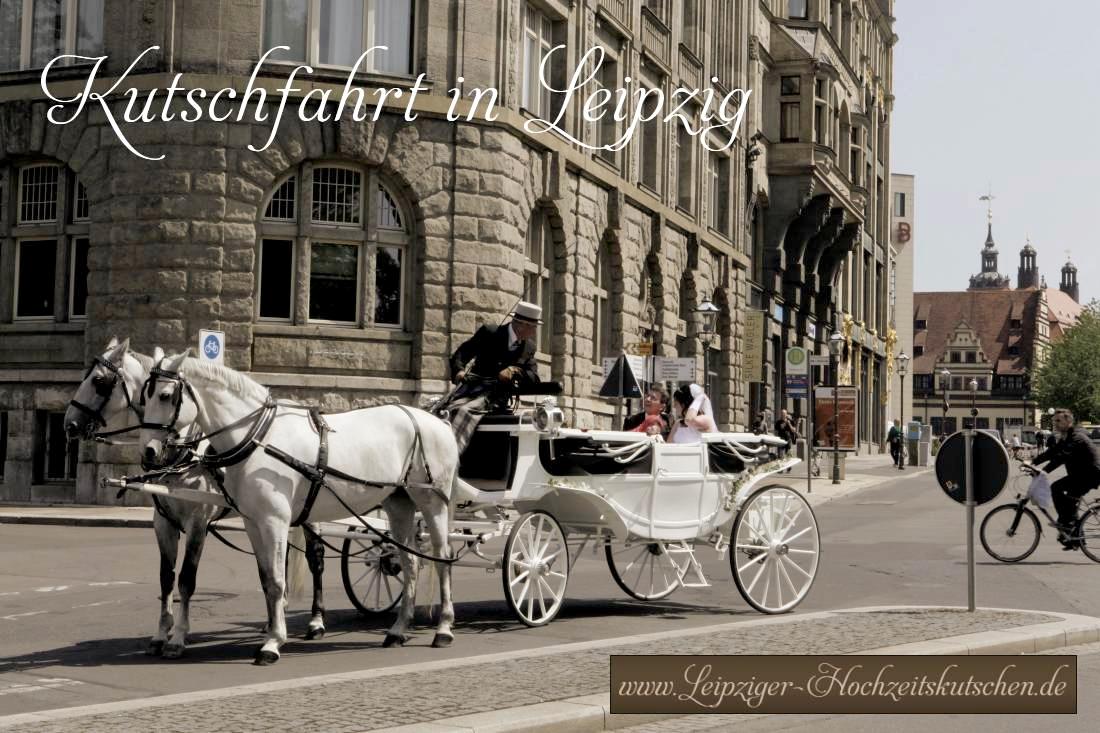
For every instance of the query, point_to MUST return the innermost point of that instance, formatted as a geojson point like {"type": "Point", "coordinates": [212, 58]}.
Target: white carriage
{"type": "Point", "coordinates": [552, 492]}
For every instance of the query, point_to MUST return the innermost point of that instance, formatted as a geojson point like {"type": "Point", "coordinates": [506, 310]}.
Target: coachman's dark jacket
{"type": "Point", "coordinates": [488, 349]}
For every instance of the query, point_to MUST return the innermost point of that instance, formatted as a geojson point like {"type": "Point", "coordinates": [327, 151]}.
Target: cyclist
{"type": "Point", "coordinates": [1078, 454]}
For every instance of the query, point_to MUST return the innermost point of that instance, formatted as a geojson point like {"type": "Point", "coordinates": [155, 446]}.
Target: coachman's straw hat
{"type": "Point", "coordinates": [529, 312]}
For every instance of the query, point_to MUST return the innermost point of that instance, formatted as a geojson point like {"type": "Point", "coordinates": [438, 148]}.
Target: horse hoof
{"type": "Point", "coordinates": [173, 651]}
{"type": "Point", "coordinates": [315, 633]}
{"type": "Point", "coordinates": [442, 641]}
{"type": "Point", "coordinates": [265, 658]}
{"type": "Point", "coordinates": [155, 648]}
{"type": "Point", "coordinates": [393, 640]}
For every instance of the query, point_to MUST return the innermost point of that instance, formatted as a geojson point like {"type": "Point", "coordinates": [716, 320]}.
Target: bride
{"type": "Point", "coordinates": [695, 415]}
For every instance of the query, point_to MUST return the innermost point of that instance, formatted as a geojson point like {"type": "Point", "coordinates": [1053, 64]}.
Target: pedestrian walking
{"type": "Point", "coordinates": [897, 446]}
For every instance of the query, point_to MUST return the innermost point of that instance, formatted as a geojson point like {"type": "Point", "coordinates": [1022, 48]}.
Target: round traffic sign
{"type": "Point", "coordinates": [211, 347]}
{"type": "Point", "coordinates": [990, 460]}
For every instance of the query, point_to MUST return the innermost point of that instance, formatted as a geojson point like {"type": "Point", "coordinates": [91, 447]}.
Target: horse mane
{"type": "Point", "coordinates": [145, 361]}
{"type": "Point", "coordinates": [204, 371]}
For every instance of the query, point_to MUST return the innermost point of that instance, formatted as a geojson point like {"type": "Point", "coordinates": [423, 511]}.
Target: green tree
{"type": "Point", "coordinates": [1070, 376]}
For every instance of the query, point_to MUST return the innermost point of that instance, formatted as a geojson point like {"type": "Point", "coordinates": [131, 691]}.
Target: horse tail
{"type": "Point", "coordinates": [296, 568]}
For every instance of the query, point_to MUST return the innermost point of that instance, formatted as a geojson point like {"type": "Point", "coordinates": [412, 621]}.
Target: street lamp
{"type": "Point", "coordinates": [709, 315]}
{"type": "Point", "coordinates": [945, 382]}
{"type": "Point", "coordinates": [836, 347]}
{"type": "Point", "coordinates": [973, 386]}
{"type": "Point", "coordinates": [903, 369]}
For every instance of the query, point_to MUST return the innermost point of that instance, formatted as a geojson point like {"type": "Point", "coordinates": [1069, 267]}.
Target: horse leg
{"type": "Point", "coordinates": [192, 552]}
{"type": "Point", "coordinates": [438, 528]}
{"type": "Point", "coordinates": [401, 513]}
{"type": "Point", "coordinates": [315, 556]}
{"type": "Point", "coordinates": [269, 543]}
{"type": "Point", "coordinates": [168, 541]}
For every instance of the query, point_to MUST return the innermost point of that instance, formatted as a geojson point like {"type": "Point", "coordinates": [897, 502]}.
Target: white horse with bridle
{"type": "Point", "coordinates": [284, 463]}
{"type": "Point", "coordinates": [105, 402]}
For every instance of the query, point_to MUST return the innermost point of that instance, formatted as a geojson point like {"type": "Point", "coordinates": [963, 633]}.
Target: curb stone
{"type": "Point", "coordinates": [593, 712]}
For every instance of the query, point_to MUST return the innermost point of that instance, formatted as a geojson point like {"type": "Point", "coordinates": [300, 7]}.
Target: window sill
{"type": "Point", "coordinates": [349, 333]}
{"type": "Point", "coordinates": [41, 326]}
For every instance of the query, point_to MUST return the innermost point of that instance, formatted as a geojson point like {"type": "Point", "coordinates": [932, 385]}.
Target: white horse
{"type": "Point", "coordinates": [403, 458]}
{"type": "Point", "coordinates": [107, 399]}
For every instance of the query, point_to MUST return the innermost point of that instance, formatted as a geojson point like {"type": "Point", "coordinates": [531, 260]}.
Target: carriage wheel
{"type": "Point", "coordinates": [372, 573]}
{"type": "Point", "coordinates": [775, 549]}
{"type": "Point", "coordinates": [644, 571]}
{"type": "Point", "coordinates": [536, 568]}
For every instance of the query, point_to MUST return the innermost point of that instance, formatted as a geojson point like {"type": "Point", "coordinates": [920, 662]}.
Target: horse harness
{"type": "Point", "coordinates": [262, 419]}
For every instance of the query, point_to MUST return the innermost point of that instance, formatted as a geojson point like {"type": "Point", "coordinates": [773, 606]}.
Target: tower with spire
{"type": "Point", "coordinates": [989, 278]}
{"type": "Point", "coordinates": [1028, 274]}
{"type": "Point", "coordinates": [1069, 280]}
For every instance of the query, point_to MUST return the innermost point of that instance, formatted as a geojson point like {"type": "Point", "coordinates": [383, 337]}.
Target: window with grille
{"type": "Point", "coordinates": [81, 210]}
{"type": "Point", "coordinates": [54, 453]}
{"type": "Point", "coordinates": [336, 196]}
{"type": "Point", "coordinates": [337, 32]}
{"type": "Point", "coordinates": [538, 271]}
{"type": "Point", "coordinates": [282, 204]}
{"type": "Point", "coordinates": [38, 194]}
{"type": "Point", "coordinates": [351, 257]}
{"type": "Point", "coordinates": [33, 32]}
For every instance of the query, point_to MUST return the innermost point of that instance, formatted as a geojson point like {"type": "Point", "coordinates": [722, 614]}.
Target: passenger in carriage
{"type": "Point", "coordinates": [654, 420]}
{"type": "Point", "coordinates": [485, 368]}
{"type": "Point", "coordinates": [696, 416]}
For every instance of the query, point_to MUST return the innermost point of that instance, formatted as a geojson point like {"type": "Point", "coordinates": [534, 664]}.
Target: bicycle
{"type": "Point", "coordinates": [1014, 529]}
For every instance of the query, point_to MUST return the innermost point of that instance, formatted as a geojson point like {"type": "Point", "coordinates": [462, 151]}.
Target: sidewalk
{"type": "Point", "coordinates": [562, 688]}
{"type": "Point", "coordinates": [864, 472]}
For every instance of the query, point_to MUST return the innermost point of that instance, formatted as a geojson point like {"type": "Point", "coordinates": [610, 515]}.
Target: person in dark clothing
{"type": "Point", "coordinates": [897, 448]}
{"type": "Point", "coordinates": [785, 429]}
{"type": "Point", "coordinates": [484, 368]}
{"type": "Point", "coordinates": [1078, 454]}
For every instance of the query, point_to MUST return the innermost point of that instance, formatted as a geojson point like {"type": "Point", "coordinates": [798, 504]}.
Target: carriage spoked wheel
{"type": "Point", "coordinates": [535, 568]}
{"type": "Point", "coordinates": [774, 549]}
{"type": "Point", "coordinates": [371, 570]}
{"type": "Point", "coordinates": [645, 571]}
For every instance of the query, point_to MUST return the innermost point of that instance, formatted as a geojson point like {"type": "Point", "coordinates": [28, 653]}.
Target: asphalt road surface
{"type": "Point", "coordinates": [77, 605]}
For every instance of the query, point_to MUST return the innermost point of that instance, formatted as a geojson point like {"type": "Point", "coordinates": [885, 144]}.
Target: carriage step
{"type": "Point", "coordinates": [695, 584]}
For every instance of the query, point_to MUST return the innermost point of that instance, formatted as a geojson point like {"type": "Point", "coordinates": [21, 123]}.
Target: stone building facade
{"type": "Point", "coordinates": [348, 260]}
{"type": "Point", "coordinates": [903, 244]}
{"type": "Point", "coordinates": [819, 194]}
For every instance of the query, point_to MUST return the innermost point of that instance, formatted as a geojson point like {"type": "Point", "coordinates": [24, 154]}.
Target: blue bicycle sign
{"type": "Point", "coordinates": [211, 344]}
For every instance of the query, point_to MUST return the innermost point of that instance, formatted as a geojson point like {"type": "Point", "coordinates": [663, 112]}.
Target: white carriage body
{"type": "Point", "coordinates": [647, 489]}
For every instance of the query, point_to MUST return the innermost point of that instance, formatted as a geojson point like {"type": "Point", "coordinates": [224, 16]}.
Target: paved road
{"type": "Point", "coordinates": [77, 604]}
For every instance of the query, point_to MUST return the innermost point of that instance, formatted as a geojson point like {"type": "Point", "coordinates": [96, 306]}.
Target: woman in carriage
{"type": "Point", "coordinates": [696, 415]}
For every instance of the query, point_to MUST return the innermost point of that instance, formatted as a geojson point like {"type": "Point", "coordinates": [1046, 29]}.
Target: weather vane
{"type": "Point", "coordinates": [988, 198]}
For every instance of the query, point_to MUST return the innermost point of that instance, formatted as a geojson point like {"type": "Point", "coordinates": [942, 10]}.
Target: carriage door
{"type": "Point", "coordinates": [678, 491]}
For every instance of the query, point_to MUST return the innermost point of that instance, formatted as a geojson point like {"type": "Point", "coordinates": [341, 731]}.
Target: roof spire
{"type": "Point", "coordinates": [988, 198]}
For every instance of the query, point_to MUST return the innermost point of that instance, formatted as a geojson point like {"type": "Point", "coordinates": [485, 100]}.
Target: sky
{"type": "Point", "coordinates": [1001, 94]}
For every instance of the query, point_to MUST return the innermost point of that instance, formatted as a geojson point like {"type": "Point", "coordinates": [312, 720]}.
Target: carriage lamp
{"type": "Point", "coordinates": [548, 417]}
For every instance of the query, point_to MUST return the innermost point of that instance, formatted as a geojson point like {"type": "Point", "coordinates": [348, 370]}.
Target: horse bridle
{"type": "Point", "coordinates": [104, 391]}
{"type": "Point", "coordinates": [149, 388]}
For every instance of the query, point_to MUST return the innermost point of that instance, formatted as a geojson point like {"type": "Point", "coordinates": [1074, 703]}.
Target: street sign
{"type": "Point", "coordinates": [796, 361]}
{"type": "Point", "coordinates": [668, 369]}
{"type": "Point", "coordinates": [796, 386]}
{"type": "Point", "coordinates": [643, 348]}
{"type": "Point", "coordinates": [212, 346]}
{"type": "Point", "coordinates": [753, 346]}
{"type": "Point", "coordinates": [816, 360]}
{"type": "Point", "coordinates": [624, 379]}
{"type": "Point", "coordinates": [990, 466]}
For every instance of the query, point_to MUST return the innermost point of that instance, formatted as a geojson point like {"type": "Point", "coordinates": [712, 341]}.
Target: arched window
{"type": "Point", "coordinates": [337, 32]}
{"type": "Point", "coordinates": [33, 32]}
{"type": "Point", "coordinates": [604, 324]}
{"type": "Point", "coordinates": [352, 253]}
{"type": "Point", "coordinates": [49, 223]}
{"type": "Point", "coordinates": [538, 270]}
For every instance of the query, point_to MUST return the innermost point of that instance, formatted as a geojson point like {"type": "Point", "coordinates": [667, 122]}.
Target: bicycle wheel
{"type": "Point", "coordinates": [1088, 530]}
{"type": "Point", "coordinates": [1010, 533]}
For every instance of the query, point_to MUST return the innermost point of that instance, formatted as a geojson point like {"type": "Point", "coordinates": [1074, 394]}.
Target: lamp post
{"type": "Point", "coordinates": [945, 382]}
{"type": "Point", "coordinates": [709, 314]}
{"type": "Point", "coordinates": [972, 385]}
{"type": "Point", "coordinates": [903, 369]}
{"type": "Point", "coordinates": [836, 345]}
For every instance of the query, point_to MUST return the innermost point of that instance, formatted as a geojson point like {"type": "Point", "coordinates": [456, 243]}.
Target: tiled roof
{"type": "Point", "coordinates": [1064, 311]}
{"type": "Point", "coordinates": [989, 313]}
